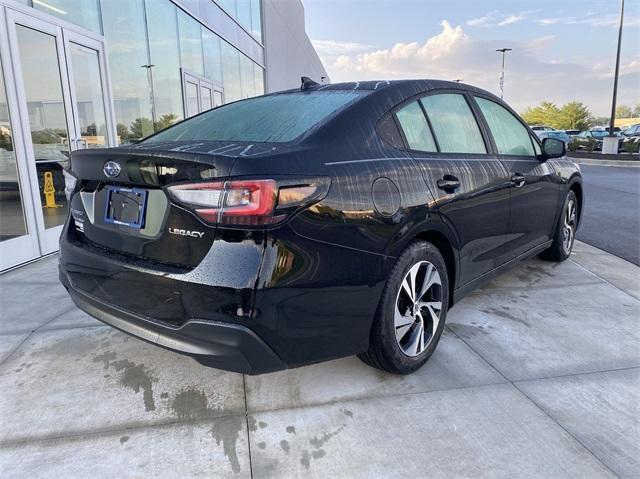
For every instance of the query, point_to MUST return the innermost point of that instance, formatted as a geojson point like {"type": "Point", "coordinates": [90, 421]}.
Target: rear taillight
{"type": "Point", "coordinates": [249, 202]}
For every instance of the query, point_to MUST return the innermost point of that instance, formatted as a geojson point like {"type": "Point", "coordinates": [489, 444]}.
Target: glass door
{"type": "Point", "coordinates": [63, 105]}
{"type": "Point", "coordinates": [200, 94]}
{"type": "Point", "coordinates": [18, 237]}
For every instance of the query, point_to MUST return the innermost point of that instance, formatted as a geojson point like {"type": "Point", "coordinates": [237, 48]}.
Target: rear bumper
{"type": "Point", "coordinates": [228, 346]}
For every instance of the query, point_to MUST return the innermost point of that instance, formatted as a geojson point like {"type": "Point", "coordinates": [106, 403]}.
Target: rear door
{"type": "Point", "coordinates": [470, 186]}
{"type": "Point", "coordinates": [534, 184]}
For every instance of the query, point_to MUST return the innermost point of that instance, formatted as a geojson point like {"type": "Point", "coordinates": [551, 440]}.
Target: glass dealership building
{"type": "Point", "coordinates": [95, 73]}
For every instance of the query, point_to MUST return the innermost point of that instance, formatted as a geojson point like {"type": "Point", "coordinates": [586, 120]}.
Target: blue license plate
{"type": "Point", "coordinates": [125, 206]}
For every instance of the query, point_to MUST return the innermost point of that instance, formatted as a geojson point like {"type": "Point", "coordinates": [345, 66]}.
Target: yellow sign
{"type": "Point", "coordinates": [49, 191]}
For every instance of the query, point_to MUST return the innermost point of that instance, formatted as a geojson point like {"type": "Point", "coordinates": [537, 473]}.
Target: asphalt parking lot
{"type": "Point", "coordinates": [537, 375]}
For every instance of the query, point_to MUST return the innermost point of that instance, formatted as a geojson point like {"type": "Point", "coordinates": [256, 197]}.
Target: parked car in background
{"type": "Point", "coordinates": [631, 139]}
{"type": "Point", "coordinates": [572, 133]}
{"type": "Point", "coordinates": [590, 140]}
{"type": "Point", "coordinates": [314, 223]}
{"type": "Point", "coordinates": [557, 134]}
{"type": "Point", "coordinates": [538, 128]}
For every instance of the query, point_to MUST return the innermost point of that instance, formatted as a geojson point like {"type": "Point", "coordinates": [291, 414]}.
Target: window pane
{"type": "Point", "coordinates": [511, 137]}
{"type": "Point", "coordinates": [258, 74]}
{"type": "Point", "coordinates": [191, 92]}
{"type": "Point", "coordinates": [256, 20]}
{"type": "Point", "coordinates": [415, 127]}
{"type": "Point", "coordinates": [275, 118]}
{"type": "Point", "coordinates": [247, 77]}
{"type": "Point", "coordinates": [90, 102]}
{"type": "Point", "coordinates": [47, 119]}
{"type": "Point", "coordinates": [244, 14]}
{"type": "Point", "coordinates": [453, 124]}
{"type": "Point", "coordinates": [165, 56]}
{"type": "Point", "coordinates": [190, 44]}
{"type": "Point", "coordinates": [206, 99]}
{"type": "Point", "coordinates": [12, 222]}
{"type": "Point", "coordinates": [124, 29]}
{"type": "Point", "coordinates": [81, 12]}
{"type": "Point", "coordinates": [231, 73]}
{"type": "Point", "coordinates": [212, 56]}
{"type": "Point", "coordinates": [229, 6]}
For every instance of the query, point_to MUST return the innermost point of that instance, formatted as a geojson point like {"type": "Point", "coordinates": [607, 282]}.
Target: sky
{"type": "Point", "coordinates": [563, 50]}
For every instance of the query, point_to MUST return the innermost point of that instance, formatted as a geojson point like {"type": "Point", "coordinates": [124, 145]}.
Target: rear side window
{"type": "Point", "coordinates": [275, 118]}
{"type": "Point", "coordinates": [415, 127]}
{"type": "Point", "coordinates": [511, 137]}
{"type": "Point", "coordinates": [453, 124]}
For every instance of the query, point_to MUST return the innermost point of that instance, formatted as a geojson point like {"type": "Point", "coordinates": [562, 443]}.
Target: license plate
{"type": "Point", "coordinates": [125, 206]}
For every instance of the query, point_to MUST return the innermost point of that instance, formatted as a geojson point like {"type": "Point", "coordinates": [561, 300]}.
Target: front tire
{"type": "Point", "coordinates": [412, 311]}
{"type": "Point", "coordinates": [565, 233]}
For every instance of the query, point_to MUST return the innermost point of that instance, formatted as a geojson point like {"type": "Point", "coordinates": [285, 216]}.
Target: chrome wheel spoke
{"type": "Point", "coordinates": [415, 341]}
{"type": "Point", "coordinates": [420, 298]}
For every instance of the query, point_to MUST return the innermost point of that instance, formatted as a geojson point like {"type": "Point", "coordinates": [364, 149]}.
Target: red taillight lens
{"type": "Point", "coordinates": [249, 202]}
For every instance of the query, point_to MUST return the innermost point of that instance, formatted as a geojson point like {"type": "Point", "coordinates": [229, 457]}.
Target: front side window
{"type": "Point", "coordinates": [510, 136]}
{"type": "Point", "coordinates": [453, 124]}
{"type": "Point", "coordinates": [415, 127]}
{"type": "Point", "coordinates": [273, 118]}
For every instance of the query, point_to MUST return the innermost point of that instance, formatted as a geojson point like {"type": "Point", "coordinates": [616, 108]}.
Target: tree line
{"type": "Point", "coordinates": [572, 116]}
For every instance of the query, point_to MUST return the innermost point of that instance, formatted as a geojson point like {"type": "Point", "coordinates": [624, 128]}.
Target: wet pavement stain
{"type": "Point", "coordinates": [346, 412]}
{"type": "Point", "coordinates": [252, 423]}
{"type": "Point", "coordinates": [262, 445]}
{"type": "Point", "coordinates": [190, 404]}
{"type": "Point", "coordinates": [227, 432]}
{"type": "Point", "coordinates": [133, 376]}
{"type": "Point", "coordinates": [291, 429]}
{"type": "Point", "coordinates": [124, 439]}
{"type": "Point", "coordinates": [318, 442]}
{"type": "Point", "coordinates": [506, 313]}
{"type": "Point", "coordinates": [262, 424]}
{"type": "Point", "coordinates": [305, 459]}
{"type": "Point", "coordinates": [284, 445]}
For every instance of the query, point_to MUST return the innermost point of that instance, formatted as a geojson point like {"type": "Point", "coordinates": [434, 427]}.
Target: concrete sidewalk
{"type": "Point", "coordinates": [537, 375]}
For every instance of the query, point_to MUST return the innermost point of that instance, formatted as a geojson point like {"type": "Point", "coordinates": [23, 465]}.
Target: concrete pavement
{"type": "Point", "coordinates": [537, 375]}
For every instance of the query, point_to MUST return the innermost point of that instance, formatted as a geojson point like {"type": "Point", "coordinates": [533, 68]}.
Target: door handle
{"type": "Point", "coordinates": [518, 179]}
{"type": "Point", "coordinates": [448, 183]}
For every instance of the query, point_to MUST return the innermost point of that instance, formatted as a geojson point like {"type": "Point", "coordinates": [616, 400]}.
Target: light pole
{"type": "Point", "coordinates": [610, 143]}
{"type": "Point", "coordinates": [503, 51]}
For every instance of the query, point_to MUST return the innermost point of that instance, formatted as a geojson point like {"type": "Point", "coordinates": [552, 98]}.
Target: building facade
{"type": "Point", "coordinates": [97, 73]}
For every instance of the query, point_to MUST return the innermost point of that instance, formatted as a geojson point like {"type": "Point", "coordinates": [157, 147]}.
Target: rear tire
{"type": "Point", "coordinates": [565, 233]}
{"type": "Point", "coordinates": [412, 311]}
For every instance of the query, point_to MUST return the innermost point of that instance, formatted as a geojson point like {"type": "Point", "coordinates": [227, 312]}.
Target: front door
{"type": "Point", "coordinates": [62, 105]}
{"type": "Point", "coordinates": [534, 190]}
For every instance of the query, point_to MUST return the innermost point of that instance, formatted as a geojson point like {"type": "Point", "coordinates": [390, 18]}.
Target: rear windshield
{"type": "Point", "coordinates": [275, 118]}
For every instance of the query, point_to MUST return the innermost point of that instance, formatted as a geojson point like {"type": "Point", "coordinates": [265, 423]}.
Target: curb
{"type": "Point", "coordinates": [593, 162]}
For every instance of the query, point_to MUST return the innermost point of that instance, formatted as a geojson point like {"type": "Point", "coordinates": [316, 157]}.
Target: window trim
{"type": "Point", "coordinates": [487, 139]}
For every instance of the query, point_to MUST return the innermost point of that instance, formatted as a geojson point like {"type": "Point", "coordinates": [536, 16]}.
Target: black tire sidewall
{"type": "Point", "coordinates": [416, 252]}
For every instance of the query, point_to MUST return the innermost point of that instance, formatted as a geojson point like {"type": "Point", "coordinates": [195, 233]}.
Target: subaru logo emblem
{"type": "Point", "coordinates": [112, 169]}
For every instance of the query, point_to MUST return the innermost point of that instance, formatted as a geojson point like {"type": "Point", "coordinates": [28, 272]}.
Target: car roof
{"type": "Point", "coordinates": [405, 88]}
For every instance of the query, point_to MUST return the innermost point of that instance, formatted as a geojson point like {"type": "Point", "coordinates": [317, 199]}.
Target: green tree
{"type": "Point", "coordinates": [122, 131]}
{"type": "Point", "coordinates": [141, 127]}
{"type": "Point", "coordinates": [574, 116]}
{"type": "Point", "coordinates": [165, 121]}
{"type": "Point", "coordinates": [546, 113]}
{"type": "Point", "coordinates": [636, 111]}
{"type": "Point", "coordinates": [623, 111]}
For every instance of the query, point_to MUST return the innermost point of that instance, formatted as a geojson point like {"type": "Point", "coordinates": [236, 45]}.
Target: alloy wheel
{"type": "Point", "coordinates": [417, 309]}
{"type": "Point", "coordinates": [570, 221]}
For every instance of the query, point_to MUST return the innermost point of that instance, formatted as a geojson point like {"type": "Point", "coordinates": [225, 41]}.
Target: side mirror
{"type": "Point", "coordinates": [553, 148]}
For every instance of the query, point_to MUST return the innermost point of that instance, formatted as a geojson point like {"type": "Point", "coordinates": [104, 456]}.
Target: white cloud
{"type": "Point", "coordinates": [531, 74]}
{"type": "Point", "coordinates": [497, 19]}
{"type": "Point", "coordinates": [331, 47]}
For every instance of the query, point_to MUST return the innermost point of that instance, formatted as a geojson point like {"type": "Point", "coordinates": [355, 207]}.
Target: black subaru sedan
{"type": "Point", "coordinates": [316, 223]}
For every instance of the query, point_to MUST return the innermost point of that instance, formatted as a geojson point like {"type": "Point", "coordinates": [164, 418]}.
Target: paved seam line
{"type": "Point", "coordinates": [246, 418]}
{"type": "Point", "coordinates": [13, 351]}
{"type": "Point", "coordinates": [603, 279]}
{"type": "Point", "coordinates": [538, 406]}
{"type": "Point", "coordinates": [80, 435]}
{"type": "Point", "coordinates": [606, 466]}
